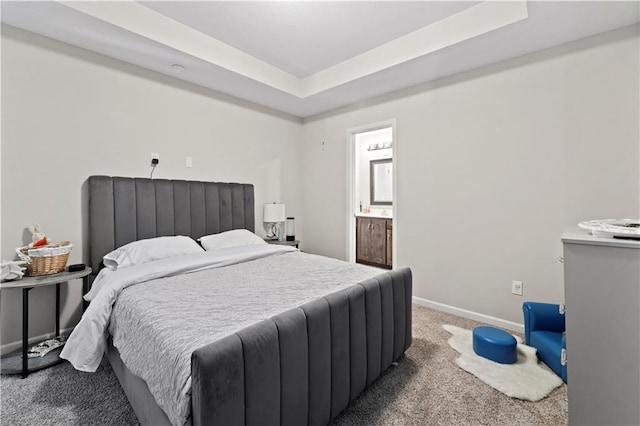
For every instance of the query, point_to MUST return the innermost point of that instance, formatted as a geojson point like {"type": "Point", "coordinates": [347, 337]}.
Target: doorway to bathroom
{"type": "Point", "coordinates": [371, 194]}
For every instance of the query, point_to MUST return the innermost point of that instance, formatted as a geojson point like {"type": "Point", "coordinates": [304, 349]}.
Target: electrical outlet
{"type": "Point", "coordinates": [188, 161]}
{"type": "Point", "coordinates": [516, 287]}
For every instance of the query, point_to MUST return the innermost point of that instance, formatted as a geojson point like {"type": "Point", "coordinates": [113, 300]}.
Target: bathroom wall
{"type": "Point", "coordinates": [363, 157]}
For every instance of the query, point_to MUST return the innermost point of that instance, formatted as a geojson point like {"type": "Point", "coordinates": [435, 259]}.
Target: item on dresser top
{"type": "Point", "coordinates": [628, 228]}
{"type": "Point", "coordinates": [47, 259]}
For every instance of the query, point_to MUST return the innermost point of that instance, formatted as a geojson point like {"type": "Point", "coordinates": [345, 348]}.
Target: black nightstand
{"type": "Point", "coordinates": [17, 361]}
{"type": "Point", "coordinates": [283, 243]}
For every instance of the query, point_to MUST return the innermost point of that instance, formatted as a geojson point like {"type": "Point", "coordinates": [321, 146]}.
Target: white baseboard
{"type": "Point", "coordinates": [12, 346]}
{"type": "Point", "coordinates": [498, 322]}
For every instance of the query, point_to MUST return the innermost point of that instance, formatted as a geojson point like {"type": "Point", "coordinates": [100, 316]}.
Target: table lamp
{"type": "Point", "coordinates": [273, 215]}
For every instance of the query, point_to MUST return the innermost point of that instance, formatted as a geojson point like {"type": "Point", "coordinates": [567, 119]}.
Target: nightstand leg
{"type": "Point", "coordinates": [25, 331]}
{"type": "Point", "coordinates": [57, 309]}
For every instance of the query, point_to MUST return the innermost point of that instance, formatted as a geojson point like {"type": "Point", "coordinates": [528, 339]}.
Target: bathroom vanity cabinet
{"type": "Point", "coordinates": [374, 236]}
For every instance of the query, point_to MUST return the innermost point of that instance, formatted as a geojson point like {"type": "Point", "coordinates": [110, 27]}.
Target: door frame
{"type": "Point", "coordinates": [351, 182]}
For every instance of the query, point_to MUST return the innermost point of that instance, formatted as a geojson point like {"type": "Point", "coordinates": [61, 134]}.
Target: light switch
{"type": "Point", "coordinates": [188, 162]}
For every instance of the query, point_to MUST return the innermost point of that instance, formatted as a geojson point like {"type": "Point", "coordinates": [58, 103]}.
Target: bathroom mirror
{"type": "Point", "coordinates": [381, 183]}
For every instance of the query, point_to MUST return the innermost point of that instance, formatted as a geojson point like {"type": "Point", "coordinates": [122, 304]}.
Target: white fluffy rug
{"type": "Point", "coordinates": [523, 380]}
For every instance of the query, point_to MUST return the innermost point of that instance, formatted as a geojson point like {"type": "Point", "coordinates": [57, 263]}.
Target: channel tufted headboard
{"type": "Point", "coordinates": [122, 210]}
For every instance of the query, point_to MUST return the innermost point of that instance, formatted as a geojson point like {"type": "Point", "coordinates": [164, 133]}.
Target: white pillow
{"type": "Point", "coordinates": [144, 251]}
{"type": "Point", "coordinates": [234, 238]}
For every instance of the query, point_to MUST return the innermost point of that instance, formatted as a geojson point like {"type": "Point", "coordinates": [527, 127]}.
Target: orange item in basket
{"type": "Point", "coordinates": [42, 242]}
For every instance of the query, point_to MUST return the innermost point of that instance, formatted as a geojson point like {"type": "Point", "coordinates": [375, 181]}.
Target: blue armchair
{"type": "Point", "coordinates": [544, 329]}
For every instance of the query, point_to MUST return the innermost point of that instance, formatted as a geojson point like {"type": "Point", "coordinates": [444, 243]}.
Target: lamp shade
{"type": "Point", "coordinates": [273, 213]}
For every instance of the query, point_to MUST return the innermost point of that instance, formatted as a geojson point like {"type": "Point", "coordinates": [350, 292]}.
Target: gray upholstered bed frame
{"type": "Point", "coordinates": [303, 366]}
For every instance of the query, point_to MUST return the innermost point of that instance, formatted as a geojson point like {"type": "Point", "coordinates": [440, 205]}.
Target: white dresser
{"type": "Point", "coordinates": [602, 294]}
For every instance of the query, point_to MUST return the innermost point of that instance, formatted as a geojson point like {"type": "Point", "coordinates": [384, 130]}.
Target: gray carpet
{"type": "Point", "coordinates": [61, 395]}
{"type": "Point", "coordinates": [426, 388]}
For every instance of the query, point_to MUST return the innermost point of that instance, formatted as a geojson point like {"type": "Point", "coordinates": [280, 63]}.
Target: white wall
{"type": "Point", "coordinates": [68, 114]}
{"type": "Point", "coordinates": [492, 165]}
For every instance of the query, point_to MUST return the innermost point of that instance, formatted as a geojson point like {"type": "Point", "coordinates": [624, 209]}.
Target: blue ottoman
{"type": "Point", "coordinates": [494, 344]}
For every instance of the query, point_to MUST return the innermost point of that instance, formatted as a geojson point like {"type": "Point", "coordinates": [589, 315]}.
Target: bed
{"type": "Point", "coordinates": [301, 365]}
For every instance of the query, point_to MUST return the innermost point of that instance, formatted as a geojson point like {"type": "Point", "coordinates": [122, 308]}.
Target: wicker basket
{"type": "Point", "coordinates": [46, 260]}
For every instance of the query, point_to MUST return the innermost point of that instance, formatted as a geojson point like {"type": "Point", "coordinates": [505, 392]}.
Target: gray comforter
{"type": "Point", "coordinates": [156, 325]}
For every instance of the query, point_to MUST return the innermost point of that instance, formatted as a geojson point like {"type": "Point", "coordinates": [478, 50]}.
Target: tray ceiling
{"type": "Point", "coordinates": [306, 58]}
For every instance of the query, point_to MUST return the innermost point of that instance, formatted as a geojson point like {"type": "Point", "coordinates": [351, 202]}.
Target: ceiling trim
{"type": "Point", "coordinates": [141, 20]}
{"type": "Point", "coordinates": [469, 23]}
{"type": "Point", "coordinates": [464, 25]}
